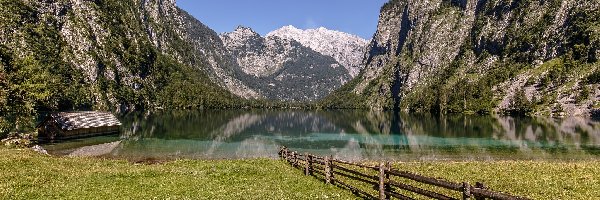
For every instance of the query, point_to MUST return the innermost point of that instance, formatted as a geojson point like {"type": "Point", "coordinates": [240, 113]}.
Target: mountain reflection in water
{"type": "Point", "coordinates": [346, 134]}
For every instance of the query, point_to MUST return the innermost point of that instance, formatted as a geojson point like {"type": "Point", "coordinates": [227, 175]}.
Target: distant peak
{"type": "Point", "coordinates": [243, 30]}
{"type": "Point", "coordinates": [291, 31]}
{"type": "Point", "coordinates": [290, 27]}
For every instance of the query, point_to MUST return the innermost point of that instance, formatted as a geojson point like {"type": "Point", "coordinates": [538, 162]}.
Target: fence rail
{"type": "Point", "coordinates": [386, 188]}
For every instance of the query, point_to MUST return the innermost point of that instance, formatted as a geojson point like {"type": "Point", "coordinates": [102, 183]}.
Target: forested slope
{"type": "Point", "coordinates": [112, 55]}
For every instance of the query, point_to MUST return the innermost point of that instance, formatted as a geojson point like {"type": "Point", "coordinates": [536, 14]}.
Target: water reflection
{"type": "Point", "coordinates": [346, 134]}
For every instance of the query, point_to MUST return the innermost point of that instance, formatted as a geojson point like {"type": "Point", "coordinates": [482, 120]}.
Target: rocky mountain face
{"type": "Point", "coordinates": [346, 49]}
{"type": "Point", "coordinates": [283, 69]}
{"type": "Point", "coordinates": [169, 27]}
{"type": "Point", "coordinates": [534, 57]}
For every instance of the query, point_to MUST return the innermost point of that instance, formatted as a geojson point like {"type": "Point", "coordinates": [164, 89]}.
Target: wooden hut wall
{"type": "Point", "coordinates": [91, 131]}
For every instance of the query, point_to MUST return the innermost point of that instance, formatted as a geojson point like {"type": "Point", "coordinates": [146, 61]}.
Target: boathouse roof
{"type": "Point", "coordinates": [82, 120]}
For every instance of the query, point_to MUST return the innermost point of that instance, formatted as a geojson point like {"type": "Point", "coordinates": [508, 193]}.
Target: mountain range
{"type": "Point", "coordinates": [444, 56]}
{"type": "Point", "coordinates": [346, 49]}
{"type": "Point", "coordinates": [285, 69]}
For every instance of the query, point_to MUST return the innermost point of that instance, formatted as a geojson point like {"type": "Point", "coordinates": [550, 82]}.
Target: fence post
{"type": "Point", "coordinates": [331, 167]}
{"type": "Point", "coordinates": [382, 181]}
{"type": "Point", "coordinates": [295, 155]}
{"type": "Point", "coordinates": [480, 186]}
{"type": "Point", "coordinates": [310, 165]}
{"type": "Point", "coordinates": [388, 187]}
{"type": "Point", "coordinates": [466, 191]}
{"type": "Point", "coordinates": [327, 170]}
{"type": "Point", "coordinates": [306, 164]}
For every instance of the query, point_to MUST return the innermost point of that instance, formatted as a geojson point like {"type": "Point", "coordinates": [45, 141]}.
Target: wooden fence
{"type": "Point", "coordinates": [382, 182]}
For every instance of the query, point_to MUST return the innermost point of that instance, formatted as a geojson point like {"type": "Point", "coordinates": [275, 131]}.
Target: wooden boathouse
{"type": "Point", "coordinates": [68, 125]}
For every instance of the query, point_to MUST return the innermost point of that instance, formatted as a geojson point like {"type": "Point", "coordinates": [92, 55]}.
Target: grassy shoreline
{"type": "Point", "coordinates": [532, 179]}
{"type": "Point", "coordinates": [28, 175]}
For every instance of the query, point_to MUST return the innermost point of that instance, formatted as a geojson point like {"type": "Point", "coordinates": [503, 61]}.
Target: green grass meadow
{"type": "Point", "coordinates": [28, 175]}
{"type": "Point", "coordinates": [25, 174]}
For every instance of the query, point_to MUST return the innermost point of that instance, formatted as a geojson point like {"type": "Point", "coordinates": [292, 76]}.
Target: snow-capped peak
{"type": "Point", "coordinates": [289, 28]}
{"type": "Point", "coordinates": [345, 48]}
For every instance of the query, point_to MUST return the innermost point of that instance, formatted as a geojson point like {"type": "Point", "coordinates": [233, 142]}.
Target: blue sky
{"type": "Point", "coordinates": [358, 17]}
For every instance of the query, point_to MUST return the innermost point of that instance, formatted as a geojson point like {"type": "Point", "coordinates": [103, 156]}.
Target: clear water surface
{"type": "Point", "coordinates": [346, 134]}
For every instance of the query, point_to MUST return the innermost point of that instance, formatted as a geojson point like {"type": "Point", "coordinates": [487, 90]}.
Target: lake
{"type": "Point", "coordinates": [346, 134]}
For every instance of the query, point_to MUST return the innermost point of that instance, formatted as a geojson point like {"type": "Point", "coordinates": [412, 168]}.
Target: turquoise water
{"type": "Point", "coordinates": [350, 135]}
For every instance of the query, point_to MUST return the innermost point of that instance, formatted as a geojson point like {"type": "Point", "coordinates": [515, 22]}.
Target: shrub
{"type": "Point", "coordinates": [520, 105]}
{"type": "Point", "coordinates": [594, 78]}
{"type": "Point", "coordinates": [583, 94]}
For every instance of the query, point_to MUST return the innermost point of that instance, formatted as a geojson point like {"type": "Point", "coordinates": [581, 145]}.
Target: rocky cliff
{"type": "Point", "coordinates": [518, 56]}
{"type": "Point", "coordinates": [283, 69]}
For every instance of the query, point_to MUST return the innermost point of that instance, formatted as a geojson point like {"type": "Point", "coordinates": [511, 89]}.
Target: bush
{"type": "Point", "coordinates": [583, 95]}
{"type": "Point", "coordinates": [520, 105]}
{"type": "Point", "coordinates": [594, 78]}
{"type": "Point", "coordinates": [15, 140]}
{"type": "Point", "coordinates": [4, 128]}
